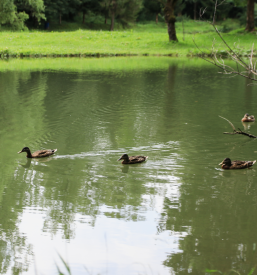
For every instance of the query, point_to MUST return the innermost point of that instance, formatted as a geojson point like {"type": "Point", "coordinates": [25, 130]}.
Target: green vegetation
{"type": "Point", "coordinates": [229, 272]}
{"type": "Point", "coordinates": [27, 14]}
{"type": "Point", "coordinates": [143, 39]}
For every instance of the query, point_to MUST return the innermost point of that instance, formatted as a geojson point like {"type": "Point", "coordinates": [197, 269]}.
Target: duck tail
{"type": "Point", "coordinates": [54, 150]}
{"type": "Point", "coordinates": [254, 162]}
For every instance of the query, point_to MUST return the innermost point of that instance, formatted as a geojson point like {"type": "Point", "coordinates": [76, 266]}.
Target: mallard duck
{"type": "Point", "coordinates": [132, 160]}
{"type": "Point", "coordinates": [236, 164]}
{"type": "Point", "coordinates": [39, 153]}
{"type": "Point", "coordinates": [248, 118]}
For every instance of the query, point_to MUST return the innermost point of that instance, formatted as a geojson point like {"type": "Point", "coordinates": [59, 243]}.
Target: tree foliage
{"type": "Point", "coordinates": [9, 15]}
{"type": "Point", "coordinates": [124, 11]}
{"type": "Point", "coordinates": [16, 12]}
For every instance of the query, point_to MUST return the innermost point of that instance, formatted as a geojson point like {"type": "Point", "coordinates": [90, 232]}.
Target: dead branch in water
{"type": "Point", "coordinates": [240, 132]}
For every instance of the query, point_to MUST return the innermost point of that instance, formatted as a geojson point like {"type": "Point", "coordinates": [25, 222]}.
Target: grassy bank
{"type": "Point", "coordinates": [142, 39]}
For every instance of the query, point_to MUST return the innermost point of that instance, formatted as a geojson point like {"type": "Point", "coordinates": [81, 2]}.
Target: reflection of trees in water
{"type": "Point", "coordinates": [220, 220]}
{"type": "Point", "coordinates": [15, 252]}
{"type": "Point", "coordinates": [74, 187]}
{"type": "Point", "coordinates": [85, 194]}
{"type": "Point", "coordinates": [112, 112]}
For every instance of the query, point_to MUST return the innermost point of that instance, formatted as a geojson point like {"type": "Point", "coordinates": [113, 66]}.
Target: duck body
{"type": "Point", "coordinates": [248, 118]}
{"type": "Point", "coordinates": [132, 159]}
{"type": "Point", "coordinates": [39, 153]}
{"type": "Point", "coordinates": [236, 164]}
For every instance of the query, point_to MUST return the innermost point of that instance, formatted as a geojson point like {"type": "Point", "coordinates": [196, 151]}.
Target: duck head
{"type": "Point", "coordinates": [226, 161]}
{"type": "Point", "coordinates": [24, 149]}
{"type": "Point", "coordinates": [124, 156]}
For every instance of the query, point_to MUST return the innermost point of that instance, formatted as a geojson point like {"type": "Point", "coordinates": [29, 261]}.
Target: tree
{"type": "Point", "coordinates": [58, 8]}
{"type": "Point", "coordinates": [105, 9]}
{"type": "Point", "coordinates": [124, 11]}
{"type": "Point", "coordinates": [9, 15]}
{"type": "Point", "coordinates": [16, 12]}
{"type": "Point", "coordinates": [250, 16]}
{"type": "Point", "coordinates": [35, 9]}
{"type": "Point", "coordinates": [154, 7]}
{"type": "Point", "coordinates": [89, 5]}
{"type": "Point", "coordinates": [169, 9]}
{"type": "Point", "coordinates": [249, 12]}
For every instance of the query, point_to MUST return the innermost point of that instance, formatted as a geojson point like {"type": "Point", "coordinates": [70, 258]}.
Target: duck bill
{"type": "Point", "coordinates": [119, 159]}
{"type": "Point", "coordinates": [19, 152]}
{"type": "Point", "coordinates": [221, 163]}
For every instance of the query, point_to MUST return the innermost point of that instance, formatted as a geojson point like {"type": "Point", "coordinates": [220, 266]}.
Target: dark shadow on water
{"type": "Point", "coordinates": [39, 160]}
{"type": "Point", "coordinates": [27, 165]}
{"type": "Point", "coordinates": [125, 168]}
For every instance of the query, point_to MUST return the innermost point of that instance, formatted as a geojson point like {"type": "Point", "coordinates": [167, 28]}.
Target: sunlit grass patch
{"type": "Point", "coordinates": [141, 39]}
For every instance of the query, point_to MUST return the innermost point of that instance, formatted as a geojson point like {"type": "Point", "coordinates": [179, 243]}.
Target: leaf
{"type": "Point", "coordinates": [212, 271]}
{"type": "Point", "coordinates": [251, 272]}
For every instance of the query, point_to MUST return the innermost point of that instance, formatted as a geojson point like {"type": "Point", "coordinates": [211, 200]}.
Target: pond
{"type": "Point", "coordinates": [176, 213]}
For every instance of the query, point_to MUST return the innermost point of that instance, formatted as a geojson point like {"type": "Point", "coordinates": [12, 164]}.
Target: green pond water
{"type": "Point", "coordinates": [177, 213]}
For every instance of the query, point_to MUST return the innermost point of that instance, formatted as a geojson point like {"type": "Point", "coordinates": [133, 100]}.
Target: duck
{"type": "Point", "coordinates": [236, 164]}
{"type": "Point", "coordinates": [248, 118]}
{"type": "Point", "coordinates": [39, 153]}
{"type": "Point", "coordinates": [132, 160]}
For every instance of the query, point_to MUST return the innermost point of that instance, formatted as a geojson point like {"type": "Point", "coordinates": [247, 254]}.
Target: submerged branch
{"type": "Point", "coordinates": [235, 132]}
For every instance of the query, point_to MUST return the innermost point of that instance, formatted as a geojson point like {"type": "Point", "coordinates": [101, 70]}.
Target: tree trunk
{"type": "Point", "coordinates": [112, 7]}
{"type": "Point", "coordinates": [171, 19]}
{"type": "Point", "coordinates": [172, 31]}
{"type": "Point", "coordinates": [195, 10]}
{"type": "Point", "coordinates": [112, 21]}
{"type": "Point", "coordinates": [83, 17]}
{"type": "Point", "coordinates": [156, 18]}
{"type": "Point", "coordinates": [105, 13]}
{"type": "Point", "coordinates": [60, 19]}
{"type": "Point", "coordinates": [250, 16]}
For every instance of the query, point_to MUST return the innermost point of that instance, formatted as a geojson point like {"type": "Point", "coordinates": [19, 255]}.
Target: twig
{"type": "Point", "coordinates": [229, 123]}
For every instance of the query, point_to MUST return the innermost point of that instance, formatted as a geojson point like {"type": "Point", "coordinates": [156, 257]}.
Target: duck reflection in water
{"type": "Point", "coordinates": [246, 125]}
{"type": "Point", "coordinates": [37, 161]}
{"type": "Point", "coordinates": [125, 168]}
{"type": "Point", "coordinates": [28, 163]}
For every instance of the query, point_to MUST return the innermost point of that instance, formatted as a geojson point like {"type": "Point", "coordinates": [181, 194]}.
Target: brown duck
{"type": "Point", "coordinates": [236, 164]}
{"type": "Point", "coordinates": [39, 153]}
{"type": "Point", "coordinates": [132, 160]}
{"type": "Point", "coordinates": [248, 118]}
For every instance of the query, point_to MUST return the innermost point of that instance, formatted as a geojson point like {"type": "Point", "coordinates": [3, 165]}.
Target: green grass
{"type": "Point", "coordinates": [141, 39]}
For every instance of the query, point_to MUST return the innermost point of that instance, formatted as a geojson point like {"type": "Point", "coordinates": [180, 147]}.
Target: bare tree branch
{"type": "Point", "coordinates": [242, 68]}
{"type": "Point", "coordinates": [229, 123]}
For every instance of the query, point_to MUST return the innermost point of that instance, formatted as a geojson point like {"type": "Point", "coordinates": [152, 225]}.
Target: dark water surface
{"type": "Point", "coordinates": [177, 213]}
